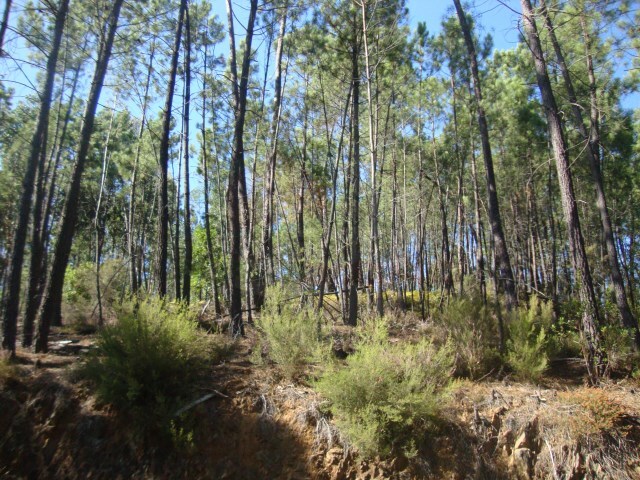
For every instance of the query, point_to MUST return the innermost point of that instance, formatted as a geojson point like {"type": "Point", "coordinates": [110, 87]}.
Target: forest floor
{"type": "Point", "coordinates": [252, 423]}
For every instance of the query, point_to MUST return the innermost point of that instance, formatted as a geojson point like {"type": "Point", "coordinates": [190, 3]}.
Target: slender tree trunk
{"type": "Point", "coordinates": [594, 355]}
{"type": "Point", "coordinates": [326, 237]}
{"type": "Point", "coordinates": [205, 175]}
{"type": "Point", "coordinates": [592, 140]}
{"type": "Point", "coordinates": [53, 292]}
{"type": "Point", "coordinates": [300, 251]}
{"type": "Point", "coordinates": [188, 242]}
{"type": "Point", "coordinates": [37, 156]}
{"type": "Point", "coordinates": [131, 239]}
{"type": "Point", "coordinates": [4, 24]}
{"type": "Point", "coordinates": [355, 188]}
{"type": "Point", "coordinates": [163, 203]}
{"type": "Point", "coordinates": [373, 149]}
{"type": "Point", "coordinates": [177, 274]}
{"type": "Point", "coordinates": [98, 222]}
{"type": "Point", "coordinates": [503, 264]}
{"type": "Point", "coordinates": [237, 164]}
{"type": "Point", "coordinates": [270, 177]}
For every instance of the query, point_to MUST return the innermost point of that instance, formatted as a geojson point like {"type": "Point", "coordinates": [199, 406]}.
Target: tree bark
{"type": "Point", "coordinates": [131, 239]}
{"type": "Point", "coordinates": [53, 292]}
{"type": "Point", "coordinates": [355, 187]}
{"type": "Point", "coordinates": [503, 264]}
{"type": "Point", "coordinates": [163, 203]}
{"type": "Point", "coordinates": [237, 163]}
{"type": "Point", "coordinates": [36, 157]}
{"type": "Point", "coordinates": [270, 177]}
{"type": "Point", "coordinates": [4, 24]}
{"type": "Point", "coordinates": [205, 175]}
{"type": "Point", "coordinates": [592, 141]}
{"type": "Point", "coordinates": [594, 355]}
{"type": "Point", "coordinates": [188, 242]}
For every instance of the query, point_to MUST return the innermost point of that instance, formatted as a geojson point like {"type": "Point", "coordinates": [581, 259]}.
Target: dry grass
{"type": "Point", "coordinates": [589, 432]}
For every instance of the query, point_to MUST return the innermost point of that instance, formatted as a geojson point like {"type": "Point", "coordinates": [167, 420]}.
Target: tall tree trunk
{"type": "Point", "coordinates": [326, 235]}
{"type": "Point", "coordinates": [131, 238]}
{"type": "Point", "coordinates": [237, 164]}
{"type": "Point", "coordinates": [373, 149]}
{"type": "Point", "coordinates": [163, 203]}
{"type": "Point", "coordinates": [270, 177]}
{"type": "Point", "coordinates": [98, 222]}
{"type": "Point", "coordinates": [300, 247]}
{"type": "Point", "coordinates": [355, 187]}
{"type": "Point", "coordinates": [177, 274]}
{"type": "Point", "coordinates": [592, 140]}
{"type": "Point", "coordinates": [53, 292]}
{"type": "Point", "coordinates": [36, 156]}
{"type": "Point", "coordinates": [503, 264]}
{"type": "Point", "coordinates": [4, 24]}
{"type": "Point", "coordinates": [188, 242]}
{"type": "Point", "coordinates": [594, 355]}
{"type": "Point", "coordinates": [205, 175]}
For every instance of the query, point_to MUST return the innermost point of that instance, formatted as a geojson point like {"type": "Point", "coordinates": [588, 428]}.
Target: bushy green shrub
{"type": "Point", "coordinates": [80, 299]}
{"type": "Point", "coordinates": [527, 346]}
{"type": "Point", "coordinates": [146, 364]}
{"type": "Point", "coordinates": [618, 343]}
{"type": "Point", "coordinates": [473, 330]}
{"type": "Point", "coordinates": [294, 336]}
{"type": "Point", "coordinates": [385, 396]}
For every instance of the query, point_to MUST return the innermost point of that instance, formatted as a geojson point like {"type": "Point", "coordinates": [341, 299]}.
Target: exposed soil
{"type": "Point", "coordinates": [254, 424]}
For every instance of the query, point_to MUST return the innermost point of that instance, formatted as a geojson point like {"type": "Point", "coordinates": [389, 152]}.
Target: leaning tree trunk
{"type": "Point", "coordinates": [36, 157]}
{"type": "Point", "coordinates": [503, 264]}
{"type": "Point", "coordinates": [594, 355]}
{"type": "Point", "coordinates": [163, 206]}
{"type": "Point", "coordinates": [592, 140]}
{"type": "Point", "coordinates": [53, 292]}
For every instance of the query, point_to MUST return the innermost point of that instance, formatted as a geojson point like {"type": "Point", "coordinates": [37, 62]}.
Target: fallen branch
{"type": "Point", "coordinates": [193, 404]}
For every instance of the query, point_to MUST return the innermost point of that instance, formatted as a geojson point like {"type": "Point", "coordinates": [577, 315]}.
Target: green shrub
{"type": "Point", "coordinates": [618, 343]}
{"type": "Point", "coordinates": [473, 330]}
{"type": "Point", "coordinates": [80, 299]}
{"type": "Point", "coordinates": [527, 346]}
{"type": "Point", "coordinates": [387, 394]}
{"type": "Point", "coordinates": [147, 363]}
{"type": "Point", "coordinates": [295, 336]}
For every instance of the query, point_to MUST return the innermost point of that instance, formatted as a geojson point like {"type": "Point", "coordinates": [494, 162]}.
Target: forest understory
{"type": "Point", "coordinates": [332, 239]}
{"type": "Point", "coordinates": [247, 419]}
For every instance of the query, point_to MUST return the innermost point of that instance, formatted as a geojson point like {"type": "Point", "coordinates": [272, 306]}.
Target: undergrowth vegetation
{"type": "Point", "coordinates": [148, 363]}
{"type": "Point", "coordinates": [471, 326]}
{"type": "Point", "coordinates": [528, 345]}
{"type": "Point", "coordinates": [387, 394]}
{"type": "Point", "coordinates": [295, 336]}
